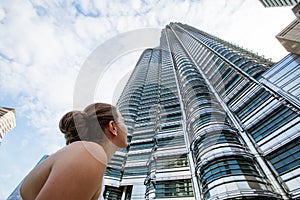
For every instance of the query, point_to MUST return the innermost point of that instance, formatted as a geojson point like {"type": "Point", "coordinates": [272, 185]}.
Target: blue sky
{"type": "Point", "coordinates": [44, 44]}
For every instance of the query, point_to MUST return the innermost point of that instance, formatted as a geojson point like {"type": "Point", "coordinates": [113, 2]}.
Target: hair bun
{"type": "Point", "coordinates": [73, 125]}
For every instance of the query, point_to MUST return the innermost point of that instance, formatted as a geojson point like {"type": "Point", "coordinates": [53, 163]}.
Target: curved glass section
{"type": "Point", "coordinates": [238, 174]}
{"type": "Point", "coordinates": [226, 167]}
{"type": "Point", "coordinates": [215, 137]}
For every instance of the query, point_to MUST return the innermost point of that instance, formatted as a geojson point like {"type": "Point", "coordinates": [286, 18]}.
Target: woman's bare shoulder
{"type": "Point", "coordinates": [75, 167]}
{"type": "Point", "coordinates": [77, 155]}
{"type": "Point", "coordinates": [82, 151]}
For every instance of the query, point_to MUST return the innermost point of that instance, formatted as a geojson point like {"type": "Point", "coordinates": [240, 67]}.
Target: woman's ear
{"type": "Point", "coordinates": [112, 128]}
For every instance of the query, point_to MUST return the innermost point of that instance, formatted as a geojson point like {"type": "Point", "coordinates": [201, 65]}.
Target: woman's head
{"type": "Point", "coordinates": [91, 124]}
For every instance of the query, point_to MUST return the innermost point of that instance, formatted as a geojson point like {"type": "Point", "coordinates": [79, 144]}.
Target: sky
{"type": "Point", "coordinates": [44, 45]}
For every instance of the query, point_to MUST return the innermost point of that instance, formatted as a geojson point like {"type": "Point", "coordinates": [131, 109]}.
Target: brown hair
{"type": "Point", "coordinates": [89, 124]}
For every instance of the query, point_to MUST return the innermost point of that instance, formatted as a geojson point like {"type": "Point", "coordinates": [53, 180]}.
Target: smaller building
{"type": "Point", "coordinates": [7, 120]}
{"type": "Point", "coordinates": [290, 37]}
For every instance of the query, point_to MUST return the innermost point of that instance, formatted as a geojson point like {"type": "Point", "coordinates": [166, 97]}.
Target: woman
{"type": "Point", "coordinates": [76, 171]}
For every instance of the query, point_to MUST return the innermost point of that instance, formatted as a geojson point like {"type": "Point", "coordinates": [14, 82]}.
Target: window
{"type": "Point", "coordinates": [206, 116]}
{"type": "Point", "coordinates": [170, 141]}
{"type": "Point", "coordinates": [112, 193]}
{"type": "Point", "coordinates": [254, 102]}
{"type": "Point", "coordinates": [286, 157]}
{"type": "Point", "coordinates": [135, 171]}
{"type": "Point", "coordinates": [236, 79]}
{"type": "Point", "coordinates": [171, 127]}
{"type": "Point", "coordinates": [239, 93]}
{"type": "Point", "coordinates": [174, 161]}
{"type": "Point", "coordinates": [214, 138]}
{"type": "Point", "coordinates": [221, 67]}
{"type": "Point", "coordinates": [174, 188]}
{"type": "Point", "coordinates": [141, 146]}
{"type": "Point", "coordinates": [116, 193]}
{"type": "Point", "coordinates": [173, 117]}
{"type": "Point", "coordinates": [225, 167]}
{"type": "Point", "coordinates": [172, 107]}
{"type": "Point", "coordinates": [278, 118]}
{"type": "Point", "coordinates": [138, 157]}
{"type": "Point", "coordinates": [113, 172]}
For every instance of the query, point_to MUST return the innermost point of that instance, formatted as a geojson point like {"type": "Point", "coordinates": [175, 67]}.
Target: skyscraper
{"type": "Point", "coordinates": [276, 3]}
{"type": "Point", "coordinates": [7, 120]}
{"type": "Point", "coordinates": [208, 120]}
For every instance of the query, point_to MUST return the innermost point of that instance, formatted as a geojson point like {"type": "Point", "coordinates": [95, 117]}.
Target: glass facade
{"type": "Point", "coordinates": [278, 3]}
{"type": "Point", "coordinates": [208, 120]}
{"type": "Point", "coordinates": [287, 157]}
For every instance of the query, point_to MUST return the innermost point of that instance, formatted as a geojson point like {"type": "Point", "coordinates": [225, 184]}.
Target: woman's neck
{"type": "Point", "coordinates": [109, 148]}
{"type": "Point", "coordinates": [102, 151]}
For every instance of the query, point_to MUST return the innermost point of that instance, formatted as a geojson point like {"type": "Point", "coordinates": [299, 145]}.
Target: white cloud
{"type": "Point", "coordinates": [115, 77]}
{"type": "Point", "coordinates": [2, 14]}
{"type": "Point", "coordinates": [136, 4]}
{"type": "Point", "coordinates": [245, 23]}
{"type": "Point", "coordinates": [92, 29]}
{"type": "Point", "coordinates": [86, 7]}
